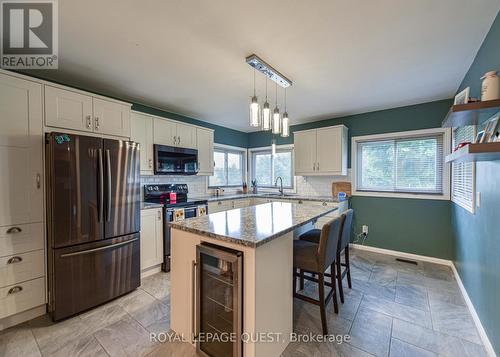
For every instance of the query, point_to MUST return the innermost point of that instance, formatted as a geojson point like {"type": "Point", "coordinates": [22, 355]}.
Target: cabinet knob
{"type": "Point", "coordinates": [15, 289]}
{"type": "Point", "coordinates": [12, 230]}
{"type": "Point", "coordinates": [96, 123]}
{"type": "Point", "coordinates": [159, 215]}
{"type": "Point", "coordinates": [300, 201]}
{"type": "Point", "coordinates": [324, 203]}
{"type": "Point", "coordinates": [150, 163]}
{"type": "Point", "coordinates": [219, 203]}
{"type": "Point", "coordinates": [38, 181]}
{"type": "Point", "coordinates": [14, 260]}
{"type": "Point", "coordinates": [89, 122]}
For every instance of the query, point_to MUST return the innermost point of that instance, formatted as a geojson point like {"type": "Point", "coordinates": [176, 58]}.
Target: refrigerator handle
{"type": "Point", "coordinates": [101, 186]}
{"type": "Point", "coordinates": [108, 169]}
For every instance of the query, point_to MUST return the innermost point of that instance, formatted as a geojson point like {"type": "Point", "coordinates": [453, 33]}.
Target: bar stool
{"type": "Point", "coordinates": [313, 236]}
{"type": "Point", "coordinates": [315, 258]}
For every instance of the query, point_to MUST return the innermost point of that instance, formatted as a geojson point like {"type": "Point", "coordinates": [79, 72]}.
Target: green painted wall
{"type": "Point", "coordinates": [476, 236]}
{"type": "Point", "coordinates": [407, 225]}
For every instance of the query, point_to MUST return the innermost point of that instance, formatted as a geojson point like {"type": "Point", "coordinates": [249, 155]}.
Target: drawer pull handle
{"type": "Point", "coordinates": [14, 230]}
{"type": "Point", "coordinates": [14, 260]}
{"type": "Point", "coordinates": [324, 203]}
{"type": "Point", "coordinates": [15, 289]}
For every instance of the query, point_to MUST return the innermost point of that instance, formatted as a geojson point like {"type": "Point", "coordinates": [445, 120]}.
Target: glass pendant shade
{"type": "Point", "coordinates": [254, 112]}
{"type": "Point", "coordinates": [266, 117]}
{"type": "Point", "coordinates": [285, 125]}
{"type": "Point", "coordinates": [276, 121]}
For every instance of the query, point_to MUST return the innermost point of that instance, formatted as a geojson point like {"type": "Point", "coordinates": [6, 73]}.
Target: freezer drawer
{"type": "Point", "coordinates": [84, 277]}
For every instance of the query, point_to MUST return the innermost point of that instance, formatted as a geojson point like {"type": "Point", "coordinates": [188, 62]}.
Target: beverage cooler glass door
{"type": "Point", "coordinates": [219, 301]}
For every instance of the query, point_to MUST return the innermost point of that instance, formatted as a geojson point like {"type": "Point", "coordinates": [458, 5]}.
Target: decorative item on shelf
{"type": "Point", "coordinates": [254, 186]}
{"type": "Point", "coordinates": [245, 188]}
{"type": "Point", "coordinates": [461, 145]}
{"type": "Point", "coordinates": [479, 137]}
{"type": "Point", "coordinates": [490, 130]}
{"type": "Point", "coordinates": [490, 87]}
{"type": "Point", "coordinates": [219, 191]}
{"type": "Point", "coordinates": [462, 97]}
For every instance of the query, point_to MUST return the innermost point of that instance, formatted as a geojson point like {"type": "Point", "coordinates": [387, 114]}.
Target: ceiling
{"type": "Point", "coordinates": [344, 57]}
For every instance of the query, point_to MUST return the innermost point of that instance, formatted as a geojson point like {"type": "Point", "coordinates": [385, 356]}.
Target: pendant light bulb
{"type": "Point", "coordinates": [254, 107]}
{"type": "Point", "coordinates": [276, 116]}
{"type": "Point", "coordinates": [266, 114]}
{"type": "Point", "coordinates": [285, 122]}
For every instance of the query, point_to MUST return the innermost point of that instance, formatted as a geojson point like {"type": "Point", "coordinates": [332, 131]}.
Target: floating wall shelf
{"type": "Point", "coordinates": [476, 152]}
{"type": "Point", "coordinates": [471, 113]}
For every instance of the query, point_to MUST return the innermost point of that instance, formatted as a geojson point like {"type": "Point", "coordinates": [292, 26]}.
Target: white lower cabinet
{"type": "Point", "coordinates": [21, 296]}
{"type": "Point", "coordinates": [151, 238]}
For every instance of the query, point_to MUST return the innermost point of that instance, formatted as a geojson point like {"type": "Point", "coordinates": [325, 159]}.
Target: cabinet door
{"type": "Point", "coordinates": [141, 131]}
{"type": "Point", "coordinates": [111, 118]}
{"type": "Point", "coordinates": [305, 151]}
{"type": "Point", "coordinates": [21, 144]}
{"type": "Point", "coordinates": [329, 150]}
{"type": "Point", "coordinates": [68, 110]}
{"type": "Point", "coordinates": [151, 238]}
{"type": "Point", "coordinates": [241, 203]}
{"type": "Point", "coordinates": [164, 132]}
{"type": "Point", "coordinates": [186, 136]}
{"type": "Point", "coordinates": [205, 145]}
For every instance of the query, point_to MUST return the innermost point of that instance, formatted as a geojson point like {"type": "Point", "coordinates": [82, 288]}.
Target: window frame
{"type": "Point", "coordinates": [234, 150]}
{"type": "Point", "coordinates": [279, 148]}
{"type": "Point", "coordinates": [446, 184]}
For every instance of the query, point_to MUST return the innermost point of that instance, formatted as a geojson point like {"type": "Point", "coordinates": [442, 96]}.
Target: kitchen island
{"type": "Point", "coordinates": [263, 237]}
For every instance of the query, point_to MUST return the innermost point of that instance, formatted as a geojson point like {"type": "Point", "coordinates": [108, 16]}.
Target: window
{"type": "Point", "coordinates": [229, 169]}
{"type": "Point", "coordinates": [402, 164]}
{"type": "Point", "coordinates": [266, 167]}
{"type": "Point", "coordinates": [463, 173]}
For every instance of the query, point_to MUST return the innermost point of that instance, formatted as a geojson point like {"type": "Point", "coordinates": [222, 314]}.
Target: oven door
{"type": "Point", "coordinates": [171, 160]}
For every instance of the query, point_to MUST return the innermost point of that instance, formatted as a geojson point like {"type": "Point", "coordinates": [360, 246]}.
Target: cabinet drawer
{"type": "Point", "coordinates": [21, 267]}
{"type": "Point", "coordinates": [241, 203]}
{"type": "Point", "coordinates": [21, 297]}
{"type": "Point", "coordinates": [29, 238]}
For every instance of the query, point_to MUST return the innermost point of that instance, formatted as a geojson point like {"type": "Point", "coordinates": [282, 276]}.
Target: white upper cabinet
{"type": "Point", "coordinates": [205, 145]}
{"type": "Point", "coordinates": [305, 151]}
{"type": "Point", "coordinates": [67, 109]}
{"type": "Point", "coordinates": [165, 132]}
{"type": "Point", "coordinates": [171, 133]}
{"type": "Point", "coordinates": [111, 118]}
{"type": "Point", "coordinates": [186, 136]}
{"type": "Point", "coordinates": [21, 147]}
{"type": "Point", "coordinates": [321, 151]}
{"type": "Point", "coordinates": [141, 131]}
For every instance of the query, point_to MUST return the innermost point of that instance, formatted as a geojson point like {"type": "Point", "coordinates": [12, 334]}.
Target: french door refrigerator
{"type": "Point", "coordinates": [93, 221]}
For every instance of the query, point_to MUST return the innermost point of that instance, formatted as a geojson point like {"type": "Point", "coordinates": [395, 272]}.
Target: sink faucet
{"type": "Point", "coordinates": [281, 185]}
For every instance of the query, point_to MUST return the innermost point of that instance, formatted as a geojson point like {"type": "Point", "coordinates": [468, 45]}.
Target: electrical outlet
{"type": "Point", "coordinates": [364, 230]}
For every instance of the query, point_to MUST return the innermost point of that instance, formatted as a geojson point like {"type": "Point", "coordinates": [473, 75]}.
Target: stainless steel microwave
{"type": "Point", "coordinates": [170, 160]}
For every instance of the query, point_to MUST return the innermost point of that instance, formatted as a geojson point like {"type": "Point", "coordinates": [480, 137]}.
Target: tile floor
{"type": "Point", "coordinates": [394, 309]}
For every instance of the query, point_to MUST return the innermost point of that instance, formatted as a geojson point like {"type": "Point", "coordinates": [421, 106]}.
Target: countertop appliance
{"type": "Point", "coordinates": [170, 160]}
{"type": "Point", "coordinates": [93, 221]}
{"type": "Point", "coordinates": [181, 209]}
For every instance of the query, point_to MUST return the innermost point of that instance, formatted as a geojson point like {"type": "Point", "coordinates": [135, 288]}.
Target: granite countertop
{"type": "Point", "coordinates": [253, 226]}
{"type": "Point", "coordinates": [237, 196]}
{"type": "Point", "coordinates": [149, 205]}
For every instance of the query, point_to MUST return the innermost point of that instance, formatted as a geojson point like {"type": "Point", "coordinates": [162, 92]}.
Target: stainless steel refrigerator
{"type": "Point", "coordinates": [93, 221]}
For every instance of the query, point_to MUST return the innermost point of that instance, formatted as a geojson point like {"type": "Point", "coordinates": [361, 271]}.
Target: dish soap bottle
{"type": "Point", "coordinates": [490, 89]}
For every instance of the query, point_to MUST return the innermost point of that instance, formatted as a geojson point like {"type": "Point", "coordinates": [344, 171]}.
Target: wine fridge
{"type": "Point", "coordinates": [219, 314]}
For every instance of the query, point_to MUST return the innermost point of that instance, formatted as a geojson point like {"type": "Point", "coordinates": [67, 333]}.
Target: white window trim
{"type": "Point", "coordinates": [245, 166]}
{"type": "Point", "coordinates": [471, 209]}
{"type": "Point", "coordinates": [397, 135]}
{"type": "Point", "coordinates": [278, 147]}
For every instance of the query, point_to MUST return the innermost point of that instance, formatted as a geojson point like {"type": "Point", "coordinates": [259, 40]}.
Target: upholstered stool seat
{"type": "Point", "coordinates": [311, 236]}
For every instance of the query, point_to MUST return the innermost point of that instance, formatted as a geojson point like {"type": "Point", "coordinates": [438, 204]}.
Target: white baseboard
{"type": "Point", "coordinates": [150, 271]}
{"type": "Point", "coordinates": [423, 258]}
{"type": "Point", "coordinates": [482, 333]}
{"type": "Point", "coordinates": [21, 317]}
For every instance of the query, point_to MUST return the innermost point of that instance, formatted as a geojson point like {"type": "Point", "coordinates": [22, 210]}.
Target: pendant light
{"type": "Point", "coordinates": [254, 107]}
{"type": "Point", "coordinates": [285, 122]}
{"type": "Point", "coordinates": [266, 114]}
{"type": "Point", "coordinates": [276, 116]}
{"type": "Point", "coordinates": [273, 147]}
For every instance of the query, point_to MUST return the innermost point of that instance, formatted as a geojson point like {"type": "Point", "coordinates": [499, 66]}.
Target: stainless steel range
{"type": "Point", "coordinates": [176, 207]}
